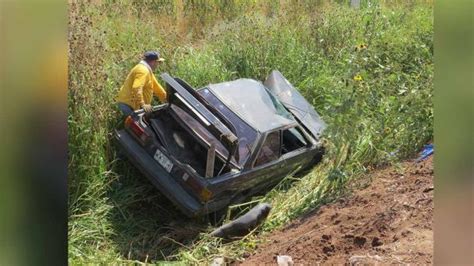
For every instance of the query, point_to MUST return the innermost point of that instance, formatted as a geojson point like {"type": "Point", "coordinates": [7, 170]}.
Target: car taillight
{"type": "Point", "coordinates": [205, 194]}
{"type": "Point", "coordinates": [136, 129]}
{"type": "Point", "coordinates": [202, 191]}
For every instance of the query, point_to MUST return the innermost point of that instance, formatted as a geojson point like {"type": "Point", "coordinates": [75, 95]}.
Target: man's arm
{"type": "Point", "coordinates": [158, 90]}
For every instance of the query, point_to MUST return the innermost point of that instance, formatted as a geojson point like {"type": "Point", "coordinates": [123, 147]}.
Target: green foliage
{"type": "Point", "coordinates": [368, 72]}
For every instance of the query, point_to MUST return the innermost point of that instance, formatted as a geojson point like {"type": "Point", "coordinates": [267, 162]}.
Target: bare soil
{"type": "Point", "coordinates": [388, 221]}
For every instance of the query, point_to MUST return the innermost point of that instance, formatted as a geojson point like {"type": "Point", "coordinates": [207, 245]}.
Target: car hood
{"type": "Point", "coordinates": [295, 103]}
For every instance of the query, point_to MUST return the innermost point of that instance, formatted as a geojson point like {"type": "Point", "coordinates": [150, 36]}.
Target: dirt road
{"type": "Point", "coordinates": [388, 221]}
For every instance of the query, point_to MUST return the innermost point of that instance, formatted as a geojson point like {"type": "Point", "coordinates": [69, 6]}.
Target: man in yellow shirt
{"type": "Point", "coordinates": [140, 85]}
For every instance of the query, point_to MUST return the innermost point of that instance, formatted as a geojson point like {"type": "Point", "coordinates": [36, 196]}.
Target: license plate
{"type": "Point", "coordinates": [163, 160]}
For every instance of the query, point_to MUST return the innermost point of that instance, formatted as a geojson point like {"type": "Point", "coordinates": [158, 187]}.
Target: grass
{"type": "Point", "coordinates": [368, 72]}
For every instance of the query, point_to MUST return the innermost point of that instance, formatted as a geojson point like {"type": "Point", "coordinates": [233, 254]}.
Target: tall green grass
{"type": "Point", "coordinates": [368, 72]}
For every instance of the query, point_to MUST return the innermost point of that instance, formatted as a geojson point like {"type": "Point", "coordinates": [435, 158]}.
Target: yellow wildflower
{"type": "Point", "coordinates": [361, 46]}
{"type": "Point", "coordinates": [358, 77]}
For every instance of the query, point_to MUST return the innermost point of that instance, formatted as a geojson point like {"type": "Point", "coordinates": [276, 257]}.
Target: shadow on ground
{"type": "Point", "coordinates": [146, 224]}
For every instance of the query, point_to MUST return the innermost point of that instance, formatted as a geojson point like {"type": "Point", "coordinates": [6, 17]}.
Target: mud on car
{"type": "Point", "coordinates": [218, 145]}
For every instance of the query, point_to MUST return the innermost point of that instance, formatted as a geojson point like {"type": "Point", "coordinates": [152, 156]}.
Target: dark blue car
{"type": "Point", "coordinates": [208, 148]}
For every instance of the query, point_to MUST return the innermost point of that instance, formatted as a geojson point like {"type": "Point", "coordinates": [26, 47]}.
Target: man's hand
{"type": "Point", "coordinates": [147, 108]}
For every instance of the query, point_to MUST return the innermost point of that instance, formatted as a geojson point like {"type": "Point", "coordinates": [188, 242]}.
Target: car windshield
{"type": "Point", "coordinates": [253, 103]}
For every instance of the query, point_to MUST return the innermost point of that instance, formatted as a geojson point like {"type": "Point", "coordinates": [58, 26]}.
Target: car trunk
{"type": "Point", "coordinates": [179, 142]}
{"type": "Point", "coordinates": [187, 140]}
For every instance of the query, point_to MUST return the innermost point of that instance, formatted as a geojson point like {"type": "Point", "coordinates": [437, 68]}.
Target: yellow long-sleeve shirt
{"type": "Point", "coordinates": [139, 87]}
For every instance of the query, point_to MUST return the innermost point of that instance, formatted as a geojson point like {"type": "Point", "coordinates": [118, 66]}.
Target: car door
{"type": "Point", "coordinates": [295, 103]}
{"type": "Point", "coordinates": [295, 149]}
{"type": "Point", "coordinates": [268, 163]}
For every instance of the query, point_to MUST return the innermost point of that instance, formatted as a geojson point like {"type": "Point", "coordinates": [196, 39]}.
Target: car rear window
{"type": "Point", "coordinates": [246, 134]}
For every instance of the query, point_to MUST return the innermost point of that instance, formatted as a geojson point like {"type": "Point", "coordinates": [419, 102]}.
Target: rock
{"type": "Point", "coordinates": [367, 259]}
{"type": "Point", "coordinates": [284, 260]}
{"type": "Point", "coordinates": [219, 261]}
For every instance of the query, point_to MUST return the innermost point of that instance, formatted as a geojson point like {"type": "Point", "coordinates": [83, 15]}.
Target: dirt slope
{"type": "Point", "coordinates": [389, 221]}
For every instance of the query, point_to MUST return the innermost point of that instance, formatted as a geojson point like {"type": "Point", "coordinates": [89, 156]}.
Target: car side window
{"type": "Point", "coordinates": [270, 149]}
{"type": "Point", "coordinates": [293, 139]}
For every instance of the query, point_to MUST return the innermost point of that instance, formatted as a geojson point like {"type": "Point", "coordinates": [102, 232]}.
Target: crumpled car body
{"type": "Point", "coordinates": [208, 148]}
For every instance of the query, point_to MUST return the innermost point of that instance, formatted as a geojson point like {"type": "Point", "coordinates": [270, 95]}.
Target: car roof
{"type": "Point", "coordinates": [250, 100]}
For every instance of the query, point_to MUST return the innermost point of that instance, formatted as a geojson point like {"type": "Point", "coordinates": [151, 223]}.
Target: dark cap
{"type": "Point", "coordinates": [153, 55]}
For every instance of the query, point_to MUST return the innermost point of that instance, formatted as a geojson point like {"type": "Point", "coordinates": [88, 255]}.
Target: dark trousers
{"type": "Point", "coordinates": [125, 108]}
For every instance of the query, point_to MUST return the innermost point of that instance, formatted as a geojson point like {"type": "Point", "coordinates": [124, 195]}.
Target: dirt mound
{"type": "Point", "coordinates": [389, 221]}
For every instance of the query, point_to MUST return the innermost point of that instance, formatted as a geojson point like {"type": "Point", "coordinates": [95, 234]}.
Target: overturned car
{"type": "Point", "coordinates": [208, 148]}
